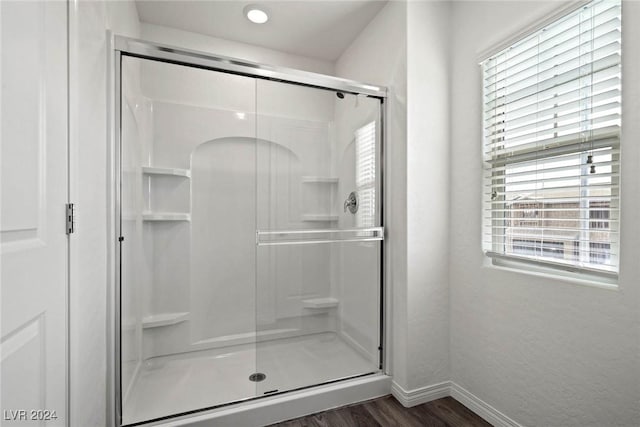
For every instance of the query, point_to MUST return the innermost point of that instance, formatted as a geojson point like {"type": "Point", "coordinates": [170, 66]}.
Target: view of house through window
{"type": "Point", "coordinates": [551, 142]}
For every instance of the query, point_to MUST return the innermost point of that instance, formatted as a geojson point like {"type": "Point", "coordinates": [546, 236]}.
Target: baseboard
{"type": "Point", "coordinates": [448, 388]}
{"type": "Point", "coordinates": [481, 408]}
{"type": "Point", "coordinates": [420, 395]}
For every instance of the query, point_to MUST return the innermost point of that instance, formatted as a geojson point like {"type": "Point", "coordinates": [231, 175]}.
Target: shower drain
{"type": "Point", "coordinates": [257, 377]}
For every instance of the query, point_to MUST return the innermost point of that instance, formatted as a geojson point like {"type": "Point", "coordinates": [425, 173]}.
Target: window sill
{"type": "Point", "coordinates": [575, 278]}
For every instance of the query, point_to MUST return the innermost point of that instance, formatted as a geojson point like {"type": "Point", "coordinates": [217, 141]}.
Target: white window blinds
{"type": "Point", "coordinates": [551, 143]}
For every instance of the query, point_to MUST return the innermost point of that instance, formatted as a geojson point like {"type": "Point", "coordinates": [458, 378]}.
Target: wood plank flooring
{"type": "Point", "coordinates": [388, 412]}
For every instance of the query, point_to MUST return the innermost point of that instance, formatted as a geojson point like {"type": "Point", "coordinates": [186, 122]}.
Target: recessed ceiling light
{"type": "Point", "coordinates": [256, 14]}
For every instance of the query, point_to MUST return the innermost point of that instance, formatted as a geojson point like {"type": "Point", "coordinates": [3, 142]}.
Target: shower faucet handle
{"type": "Point", "coordinates": [351, 203]}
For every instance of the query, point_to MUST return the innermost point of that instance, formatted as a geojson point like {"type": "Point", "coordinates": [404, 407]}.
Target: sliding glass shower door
{"type": "Point", "coordinates": [318, 229]}
{"type": "Point", "coordinates": [188, 255]}
{"type": "Point", "coordinates": [250, 238]}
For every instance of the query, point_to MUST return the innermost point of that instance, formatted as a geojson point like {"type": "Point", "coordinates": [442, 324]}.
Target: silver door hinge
{"type": "Point", "coordinates": [70, 218]}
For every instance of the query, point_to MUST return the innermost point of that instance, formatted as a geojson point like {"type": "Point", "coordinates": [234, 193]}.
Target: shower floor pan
{"type": "Point", "coordinates": [175, 384]}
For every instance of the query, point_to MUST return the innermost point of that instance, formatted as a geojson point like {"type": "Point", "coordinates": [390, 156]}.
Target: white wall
{"type": "Point", "coordinates": [405, 47]}
{"type": "Point", "coordinates": [428, 51]}
{"type": "Point", "coordinates": [88, 168]}
{"type": "Point", "coordinates": [545, 352]}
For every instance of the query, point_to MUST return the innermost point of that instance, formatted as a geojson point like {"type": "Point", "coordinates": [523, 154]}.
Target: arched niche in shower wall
{"type": "Point", "coordinates": [237, 186]}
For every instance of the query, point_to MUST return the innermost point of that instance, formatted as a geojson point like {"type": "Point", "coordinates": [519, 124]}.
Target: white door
{"type": "Point", "coordinates": [33, 193]}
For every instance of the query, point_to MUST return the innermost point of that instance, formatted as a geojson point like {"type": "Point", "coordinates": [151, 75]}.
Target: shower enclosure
{"type": "Point", "coordinates": [249, 229]}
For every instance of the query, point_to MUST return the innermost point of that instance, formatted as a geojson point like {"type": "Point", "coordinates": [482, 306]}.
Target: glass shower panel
{"type": "Point", "coordinates": [188, 256]}
{"type": "Point", "coordinates": [318, 242]}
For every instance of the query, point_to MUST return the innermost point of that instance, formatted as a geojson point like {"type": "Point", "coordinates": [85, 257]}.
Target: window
{"type": "Point", "coordinates": [366, 174]}
{"type": "Point", "coordinates": [551, 143]}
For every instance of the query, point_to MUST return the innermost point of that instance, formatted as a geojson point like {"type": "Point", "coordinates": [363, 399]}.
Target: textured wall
{"type": "Point", "coordinates": [427, 193]}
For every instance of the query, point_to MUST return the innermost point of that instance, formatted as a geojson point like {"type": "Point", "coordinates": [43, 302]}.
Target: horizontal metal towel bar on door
{"type": "Point", "coordinates": [305, 237]}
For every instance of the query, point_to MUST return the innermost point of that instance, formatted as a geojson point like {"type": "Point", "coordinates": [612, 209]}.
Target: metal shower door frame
{"type": "Point", "coordinates": [124, 46]}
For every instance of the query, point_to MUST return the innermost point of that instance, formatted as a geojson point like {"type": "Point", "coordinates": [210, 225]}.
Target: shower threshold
{"type": "Point", "coordinates": [175, 384]}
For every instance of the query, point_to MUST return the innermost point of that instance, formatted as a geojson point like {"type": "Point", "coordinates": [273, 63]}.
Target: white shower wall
{"type": "Point", "coordinates": [191, 107]}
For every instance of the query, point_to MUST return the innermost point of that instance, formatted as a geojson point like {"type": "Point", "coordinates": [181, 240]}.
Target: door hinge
{"type": "Point", "coordinates": [70, 218]}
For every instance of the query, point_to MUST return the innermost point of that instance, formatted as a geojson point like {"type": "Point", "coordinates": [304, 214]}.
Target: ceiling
{"type": "Point", "coordinates": [320, 29]}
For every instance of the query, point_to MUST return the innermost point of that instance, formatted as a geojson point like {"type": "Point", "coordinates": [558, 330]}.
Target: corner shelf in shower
{"type": "Point", "coordinates": [319, 218]}
{"type": "Point", "coordinates": [320, 179]}
{"type": "Point", "coordinates": [149, 170]}
{"type": "Point", "coordinates": [164, 319]}
{"type": "Point", "coordinates": [166, 216]}
{"type": "Point", "coordinates": [320, 303]}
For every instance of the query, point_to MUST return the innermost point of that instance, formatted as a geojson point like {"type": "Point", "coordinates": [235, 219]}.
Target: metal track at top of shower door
{"type": "Point", "coordinates": [176, 55]}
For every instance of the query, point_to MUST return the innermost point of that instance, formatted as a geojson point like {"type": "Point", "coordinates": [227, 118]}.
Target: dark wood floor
{"type": "Point", "coordinates": [387, 412]}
